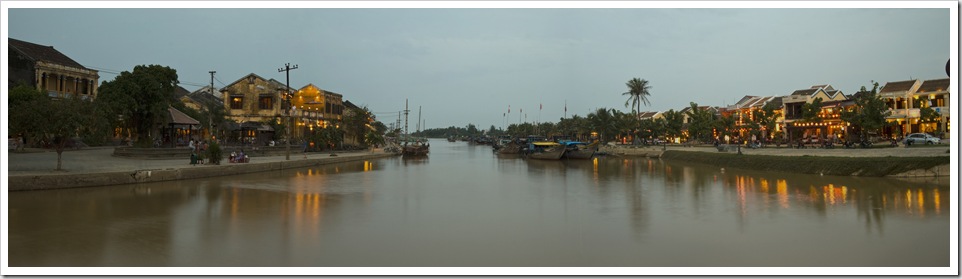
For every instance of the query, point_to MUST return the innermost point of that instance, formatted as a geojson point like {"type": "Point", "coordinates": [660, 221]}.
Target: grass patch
{"type": "Point", "coordinates": [845, 166]}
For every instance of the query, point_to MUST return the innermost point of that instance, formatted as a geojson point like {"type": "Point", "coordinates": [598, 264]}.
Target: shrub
{"type": "Point", "coordinates": [214, 153]}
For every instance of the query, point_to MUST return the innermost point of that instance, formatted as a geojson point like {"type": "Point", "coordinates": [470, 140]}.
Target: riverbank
{"type": "Point", "coordinates": [96, 167]}
{"type": "Point", "coordinates": [876, 162]}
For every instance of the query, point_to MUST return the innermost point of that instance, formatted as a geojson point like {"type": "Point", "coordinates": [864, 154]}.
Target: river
{"type": "Point", "coordinates": [464, 206]}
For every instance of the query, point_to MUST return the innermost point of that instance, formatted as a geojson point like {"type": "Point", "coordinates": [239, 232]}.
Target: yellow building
{"type": "Point", "coordinates": [315, 108]}
{"type": "Point", "coordinates": [796, 127]}
{"type": "Point", "coordinates": [905, 99]}
{"type": "Point", "coordinates": [49, 70]}
{"type": "Point", "coordinates": [253, 102]}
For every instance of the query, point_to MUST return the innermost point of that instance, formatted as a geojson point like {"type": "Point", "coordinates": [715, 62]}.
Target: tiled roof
{"type": "Point", "coordinates": [43, 53]}
{"type": "Point", "coordinates": [647, 114]}
{"type": "Point", "coordinates": [348, 104]}
{"type": "Point", "coordinates": [745, 100]}
{"type": "Point", "coordinates": [805, 92]}
{"type": "Point", "coordinates": [204, 98]}
{"type": "Point", "coordinates": [898, 86]}
{"type": "Point", "coordinates": [934, 85]}
{"type": "Point", "coordinates": [180, 92]}
{"type": "Point", "coordinates": [777, 102]}
{"type": "Point", "coordinates": [826, 87]}
{"type": "Point", "coordinates": [177, 117]}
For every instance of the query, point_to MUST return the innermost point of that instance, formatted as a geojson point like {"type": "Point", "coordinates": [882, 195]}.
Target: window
{"type": "Point", "coordinates": [266, 102]}
{"type": "Point", "coordinates": [237, 102]}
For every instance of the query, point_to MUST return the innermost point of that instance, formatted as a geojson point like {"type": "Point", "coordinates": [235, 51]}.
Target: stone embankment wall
{"type": "Point", "coordinates": [58, 181]}
{"type": "Point", "coordinates": [844, 166]}
{"type": "Point", "coordinates": [641, 151]}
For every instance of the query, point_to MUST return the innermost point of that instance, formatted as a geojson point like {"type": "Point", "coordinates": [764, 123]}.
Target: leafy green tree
{"type": "Point", "coordinates": [700, 124]}
{"type": "Point", "coordinates": [928, 115]}
{"type": "Point", "coordinates": [55, 122]}
{"type": "Point", "coordinates": [674, 121]}
{"type": "Point", "coordinates": [627, 123]}
{"type": "Point", "coordinates": [869, 112]}
{"type": "Point", "coordinates": [329, 137]}
{"type": "Point", "coordinates": [767, 118]}
{"type": "Point", "coordinates": [472, 130]}
{"type": "Point", "coordinates": [25, 113]}
{"type": "Point", "coordinates": [357, 122]}
{"type": "Point", "coordinates": [725, 125]}
{"type": "Point", "coordinates": [603, 121]}
{"type": "Point", "coordinates": [637, 94]}
{"type": "Point", "coordinates": [373, 138]}
{"type": "Point", "coordinates": [810, 111]}
{"type": "Point", "coordinates": [140, 98]}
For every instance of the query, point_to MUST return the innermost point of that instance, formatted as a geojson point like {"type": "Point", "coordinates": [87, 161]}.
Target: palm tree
{"type": "Point", "coordinates": [637, 94]}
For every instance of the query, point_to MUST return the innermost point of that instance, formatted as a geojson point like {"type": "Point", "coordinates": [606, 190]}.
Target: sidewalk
{"type": "Point", "coordinates": [96, 167]}
{"type": "Point", "coordinates": [94, 160]}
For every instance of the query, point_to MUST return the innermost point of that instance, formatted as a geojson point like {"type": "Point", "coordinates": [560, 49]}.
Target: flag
{"type": "Point", "coordinates": [509, 108]}
{"type": "Point", "coordinates": [540, 106]}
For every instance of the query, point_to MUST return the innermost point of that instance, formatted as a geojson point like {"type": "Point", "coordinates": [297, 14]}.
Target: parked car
{"type": "Point", "coordinates": [920, 138]}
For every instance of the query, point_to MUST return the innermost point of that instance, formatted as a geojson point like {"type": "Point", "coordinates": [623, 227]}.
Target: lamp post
{"type": "Point", "coordinates": [287, 92]}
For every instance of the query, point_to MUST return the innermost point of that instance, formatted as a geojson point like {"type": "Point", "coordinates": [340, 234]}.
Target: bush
{"type": "Point", "coordinates": [214, 153]}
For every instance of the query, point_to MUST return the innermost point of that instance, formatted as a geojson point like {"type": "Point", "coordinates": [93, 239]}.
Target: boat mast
{"type": "Point", "coordinates": [406, 116]}
{"type": "Point", "coordinates": [419, 119]}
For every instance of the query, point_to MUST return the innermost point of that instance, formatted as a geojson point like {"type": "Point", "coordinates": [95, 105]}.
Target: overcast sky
{"type": "Point", "coordinates": [469, 65]}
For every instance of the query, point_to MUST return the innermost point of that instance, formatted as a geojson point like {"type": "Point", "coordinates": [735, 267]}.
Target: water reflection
{"type": "Point", "coordinates": [465, 206]}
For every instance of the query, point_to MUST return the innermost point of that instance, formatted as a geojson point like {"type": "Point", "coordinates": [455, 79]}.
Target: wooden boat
{"type": "Point", "coordinates": [580, 150]}
{"type": "Point", "coordinates": [546, 150]}
{"type": "Point", "coordinates": [510, 147]}
{"type": "Point", "coordinates": [415, 149]}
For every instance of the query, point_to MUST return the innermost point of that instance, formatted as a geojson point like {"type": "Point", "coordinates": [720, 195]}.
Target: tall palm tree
{"type": "Point", "coordinates": [637, 94]}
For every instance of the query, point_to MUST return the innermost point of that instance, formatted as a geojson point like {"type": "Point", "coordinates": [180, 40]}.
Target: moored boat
{"type": "Point", "coordinates": [545, 150]}
{"type": "Point", "coordinates": [579, 150]}
{"type": "Point", "coordinates": [415, 149]}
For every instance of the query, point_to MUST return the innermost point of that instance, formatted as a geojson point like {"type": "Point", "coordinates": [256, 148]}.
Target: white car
{"type": "Point", "coordinates": [920, 138]}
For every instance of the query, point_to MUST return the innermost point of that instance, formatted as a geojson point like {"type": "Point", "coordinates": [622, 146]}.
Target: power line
{"type": "Point", "coordinates": [117, 72]}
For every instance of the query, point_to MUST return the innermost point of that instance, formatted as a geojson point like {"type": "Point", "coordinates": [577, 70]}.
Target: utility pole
{"type": "Point", "coordinates": [287, 92]}
{"type": "Point", "coordinates": [210, 127]}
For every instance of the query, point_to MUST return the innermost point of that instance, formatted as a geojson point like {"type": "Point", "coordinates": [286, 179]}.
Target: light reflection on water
{"type": "Point", "coordinates": [464, 206]}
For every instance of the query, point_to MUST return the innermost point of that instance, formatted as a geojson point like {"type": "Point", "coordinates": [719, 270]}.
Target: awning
{"type": "Point", "coordinates": [178, 117]}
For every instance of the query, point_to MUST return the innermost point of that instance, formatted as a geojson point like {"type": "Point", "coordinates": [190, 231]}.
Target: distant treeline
{"type": "Point", "coordinates": [470, 131]}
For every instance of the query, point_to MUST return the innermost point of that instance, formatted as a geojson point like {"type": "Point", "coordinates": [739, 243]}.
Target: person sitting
{"type": "Point", "coordinates": [233, 157]}
{"type": "Point", "coordinates": [241, 157]}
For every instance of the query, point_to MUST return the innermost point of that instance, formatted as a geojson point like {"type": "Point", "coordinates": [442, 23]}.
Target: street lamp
{"type": "Point", "coordinates": [287, 92]}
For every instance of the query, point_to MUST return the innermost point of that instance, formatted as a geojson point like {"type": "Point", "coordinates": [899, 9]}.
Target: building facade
{"type": "Point", "coordinates": [796, 127]}
{"type": "Point", "coordinates": [906, 101]}
{"type": "Point", "coordinates": [50, 71]}
{"type": "Point", "coordinates": [316, 108]}
{"type": "Point", "coordinates": [253, 102]}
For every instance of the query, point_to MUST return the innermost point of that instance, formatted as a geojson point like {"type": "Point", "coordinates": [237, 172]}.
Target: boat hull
{"type": "Point", "coordinates": [553, 153]}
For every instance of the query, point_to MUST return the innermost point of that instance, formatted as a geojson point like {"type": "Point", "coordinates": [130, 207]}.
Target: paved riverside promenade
{"type": "Point", "coordinates": [35, 168]}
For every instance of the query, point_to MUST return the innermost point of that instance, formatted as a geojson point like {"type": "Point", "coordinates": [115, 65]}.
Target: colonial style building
{"type": "Point", "coordinates": [934, 94]}
{"type": "Point", "coordinates": [315, 108]}
{"type": "Point", "coordinates": [49, 70]}
{"type": "Point", "coordinates": [253, 101]}
{"type": "Point", "coordinates": [905, 99]}
{"type": "Point", "coordinates": [745, 111]}
{"type": "Point", "coordinates": [793, 122]}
